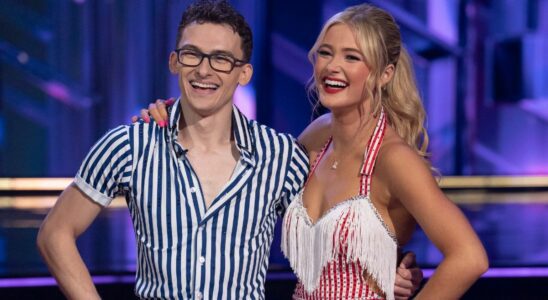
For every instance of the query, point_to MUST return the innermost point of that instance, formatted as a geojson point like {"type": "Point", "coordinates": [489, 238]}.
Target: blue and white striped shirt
{"type": "Point", "coordinates": [186, 250]}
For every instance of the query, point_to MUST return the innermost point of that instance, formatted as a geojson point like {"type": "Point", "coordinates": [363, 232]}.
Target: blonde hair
{"type": "Point", "coordinates": [378, 37]}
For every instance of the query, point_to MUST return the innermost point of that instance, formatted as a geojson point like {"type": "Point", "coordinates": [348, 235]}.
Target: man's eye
{"type": "Point", "coordinates": [222, 59]}
{"type": "Point", "coordinates": [191, 54]}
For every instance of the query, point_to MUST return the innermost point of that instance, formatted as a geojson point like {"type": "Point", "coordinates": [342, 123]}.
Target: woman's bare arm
{"type": "Point", "coordinates": [411, 182]}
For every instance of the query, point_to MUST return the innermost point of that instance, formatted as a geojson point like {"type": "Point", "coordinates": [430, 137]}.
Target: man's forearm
{"type": "Point", "coordinates": [66, 265]}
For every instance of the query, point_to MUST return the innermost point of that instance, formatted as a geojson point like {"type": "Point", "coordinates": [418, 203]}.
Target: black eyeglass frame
{"type": "Point", "coordinates": [234, 61]}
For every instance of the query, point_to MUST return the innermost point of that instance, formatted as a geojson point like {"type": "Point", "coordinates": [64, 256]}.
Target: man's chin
{"type": "Point", "coordinates": [205, 108]}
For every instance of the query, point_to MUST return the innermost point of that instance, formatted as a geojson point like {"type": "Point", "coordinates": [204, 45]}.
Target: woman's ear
{"type": "Point", "coordinates": [387, 74]}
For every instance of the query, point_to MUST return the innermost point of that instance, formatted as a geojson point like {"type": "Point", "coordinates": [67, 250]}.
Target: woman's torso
{"type": "Point", "coordinates": [348, 252]}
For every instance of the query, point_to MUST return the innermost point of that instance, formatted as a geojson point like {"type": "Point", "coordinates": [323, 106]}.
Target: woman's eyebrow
{"type": "Point", "coordinates": [352, 50]}
{"type": "Point", "coordinates": [326, 46]}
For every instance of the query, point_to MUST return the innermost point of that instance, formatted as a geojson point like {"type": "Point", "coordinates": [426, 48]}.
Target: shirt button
{"type": "Point", "coordinates": [198, 295]}
{"type": "Point", "coordinates": [201, 260]}
{"type": "Point", "coordinates": [193, 189]}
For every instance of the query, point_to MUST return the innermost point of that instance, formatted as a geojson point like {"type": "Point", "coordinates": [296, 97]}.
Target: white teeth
{"type": "Point", "coordinates": [335, 83]}
{"type": "Point", "coordinates": [203, 85]}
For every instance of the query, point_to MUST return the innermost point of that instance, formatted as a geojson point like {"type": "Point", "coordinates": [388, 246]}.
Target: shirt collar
{"type": "Point", "coordinates": [241, 131]}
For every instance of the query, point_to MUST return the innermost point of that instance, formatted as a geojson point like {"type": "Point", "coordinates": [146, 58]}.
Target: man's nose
{"type": "Point", "coordinates": [204, 68]}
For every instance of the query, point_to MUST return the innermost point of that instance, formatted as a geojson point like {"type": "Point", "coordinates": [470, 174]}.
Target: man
{"type": "Point", "coordinates": [204, 190]}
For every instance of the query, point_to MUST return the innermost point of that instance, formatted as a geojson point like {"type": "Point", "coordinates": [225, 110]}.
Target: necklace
{"type": "Point", "coordinates": [336, 161]}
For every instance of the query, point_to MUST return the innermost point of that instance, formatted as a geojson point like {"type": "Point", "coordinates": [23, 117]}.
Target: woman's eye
{"type": "Point", "coordinates": [353, 58]}
{"type": "Point", "coordinates": [323, 52]}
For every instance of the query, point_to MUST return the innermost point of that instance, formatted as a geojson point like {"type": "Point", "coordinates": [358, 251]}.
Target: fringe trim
{"type": "Point", "coordinates": [310, 247]}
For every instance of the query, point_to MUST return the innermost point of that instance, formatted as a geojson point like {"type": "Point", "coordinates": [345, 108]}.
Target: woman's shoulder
{"type": "Point", "coordinates": [401, 169]}
{"type": "Point", "coordinates": [395, 155]}
{"type": "Point", "coordinates": [315, 135]}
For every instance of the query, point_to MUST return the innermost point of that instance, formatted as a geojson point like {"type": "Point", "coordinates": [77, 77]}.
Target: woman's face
{"type": "Point", "coordinates": [340, 70]}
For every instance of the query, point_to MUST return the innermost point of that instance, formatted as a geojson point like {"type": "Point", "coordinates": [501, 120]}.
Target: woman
{"type": "Point", "coordinates": [370, 180]}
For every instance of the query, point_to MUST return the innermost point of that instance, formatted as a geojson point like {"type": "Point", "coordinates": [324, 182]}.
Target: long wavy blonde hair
{"type": "Point", "coordinates": [378, 37]}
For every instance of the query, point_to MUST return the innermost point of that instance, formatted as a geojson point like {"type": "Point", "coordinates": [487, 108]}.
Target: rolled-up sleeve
{"type": "Point", "coordinates": [107, 168]}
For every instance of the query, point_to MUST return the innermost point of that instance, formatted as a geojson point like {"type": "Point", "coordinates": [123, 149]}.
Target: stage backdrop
{"type": "Point", "coordinates": [70, 70]}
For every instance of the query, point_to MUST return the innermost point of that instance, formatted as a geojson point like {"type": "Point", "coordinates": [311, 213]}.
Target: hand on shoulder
{"type": "Point", "coordinates": [157, 110]}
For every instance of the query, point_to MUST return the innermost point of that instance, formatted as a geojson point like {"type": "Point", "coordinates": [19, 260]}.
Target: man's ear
{"type": "Point", "coordinates": [387, 74]}
{"type": "Point", "coordinates": [173, 63]}
{"type": "Point", "coordinates": [245, 74]}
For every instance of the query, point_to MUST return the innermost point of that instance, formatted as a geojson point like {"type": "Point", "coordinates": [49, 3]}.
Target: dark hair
{"type": "Point", "coordinates": [218, 12]}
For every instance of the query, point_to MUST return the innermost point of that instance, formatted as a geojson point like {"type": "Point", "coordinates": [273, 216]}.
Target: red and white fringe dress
{"type": "Point", "coordinates": [331, 256]}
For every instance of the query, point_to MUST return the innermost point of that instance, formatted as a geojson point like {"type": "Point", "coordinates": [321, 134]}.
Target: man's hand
{"type": "Point", "coordinates": [157, 110]}
{"type": "Point", "coordinates": [408, 277]}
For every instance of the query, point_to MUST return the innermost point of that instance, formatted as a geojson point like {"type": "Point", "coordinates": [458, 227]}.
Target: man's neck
{"type": "Point", "coordinates": [205, 132]}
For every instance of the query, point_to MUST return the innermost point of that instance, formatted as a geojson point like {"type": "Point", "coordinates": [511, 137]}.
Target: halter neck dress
{"type": "Point", "coordinates": [331, 256]}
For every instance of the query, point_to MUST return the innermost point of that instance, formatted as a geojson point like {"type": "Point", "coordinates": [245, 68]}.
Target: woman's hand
{"type": "Point", "coordinates": [157, 110]}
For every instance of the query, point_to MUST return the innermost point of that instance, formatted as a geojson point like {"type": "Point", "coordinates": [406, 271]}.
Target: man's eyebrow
{"type": "Point", "coordinates": [222, 52]}
{"type": "Point", "coordinates": [214, 52]}
{"type": "Point", "coordinates": [191, 47]}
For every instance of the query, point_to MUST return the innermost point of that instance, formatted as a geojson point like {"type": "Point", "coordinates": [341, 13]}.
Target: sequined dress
{"type": "Point", "coordinates": [331, 257]}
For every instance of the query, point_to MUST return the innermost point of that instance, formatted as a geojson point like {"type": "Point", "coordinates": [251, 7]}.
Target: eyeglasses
{"type": "Point", "coordinates": [217, 61]}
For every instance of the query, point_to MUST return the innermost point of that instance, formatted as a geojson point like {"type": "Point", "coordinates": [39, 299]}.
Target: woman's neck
{"type": "Point", "coordinates": [351, 130]}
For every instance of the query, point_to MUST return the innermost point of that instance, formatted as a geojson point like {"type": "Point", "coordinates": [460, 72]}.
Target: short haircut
{"type": "Point", "coordinates": [218, 12]}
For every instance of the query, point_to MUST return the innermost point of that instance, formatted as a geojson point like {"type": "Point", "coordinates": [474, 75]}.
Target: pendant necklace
{"type": "Point", "coordinates": [335, 163]}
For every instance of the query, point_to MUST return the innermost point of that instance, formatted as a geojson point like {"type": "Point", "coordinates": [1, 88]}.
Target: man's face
{"type": "Point", "coordinates": [203, 89]}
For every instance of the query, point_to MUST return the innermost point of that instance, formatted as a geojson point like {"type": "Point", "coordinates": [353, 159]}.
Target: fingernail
{"type": "Point", "coordinates": [170, 101]}
{"type": "Point", "coordinates": [162, 123]}
{"type": "Point", "coordinates": [147, 119]}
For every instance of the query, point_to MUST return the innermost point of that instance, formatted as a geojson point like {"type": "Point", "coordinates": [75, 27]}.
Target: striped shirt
{"type": "Point", "coordinates": [185, 250]}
